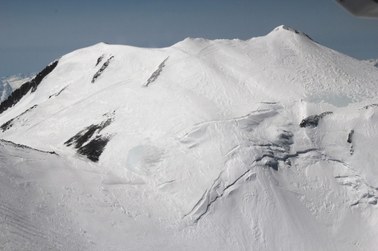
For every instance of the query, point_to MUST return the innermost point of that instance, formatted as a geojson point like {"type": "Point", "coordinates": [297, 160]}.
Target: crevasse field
{"type": "Point", "coordinates": [264, 144]}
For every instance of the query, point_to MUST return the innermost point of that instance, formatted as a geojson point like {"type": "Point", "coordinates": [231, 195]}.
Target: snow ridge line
{"type": "Point", "coordinates": [3, 141]}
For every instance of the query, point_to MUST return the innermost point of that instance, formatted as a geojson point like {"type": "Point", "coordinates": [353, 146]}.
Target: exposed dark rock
{"type": "Point", "coordinates": [350, 141]}
{"type": "Point", "coordinates": [269, 103]}
{"type": "Point", "coordinates": [25, 88]}
{"type": "Point", "coordinates": [373, 202]}
{"type": "Point", "coordinates": [285, 27]}
{"type": "Point", "coordinates": [92, 149]}
{"type": "Point", "coordinates": [351, 151]}
{"type": "Point", "coordinates": [84, 135]}
{"type": "Point", "coordinates": [368, 195]}
{"type": "Point", "coordinates": [350, 136]}
{"type": "Point", "coordinates": [355, 204]}
{"type": "Point", "coordinates": [99, 59]}
{"type": "Point", "coordinates": [58, 93]}
{"type": "Point", "coordinates": [372, 105]}
{"type": "Point", "coordinates": [313, 120]}
{"type": "Point", "coordinates": [272, 163]}
{"type": "Point", "coordinates": [156, 73]}
{"type": "Point", "coordinates": [100, 71]}
{"type": "Point", "coordinates": [285, 139]}
{"type": "Point", "coordinates": [7, 125]}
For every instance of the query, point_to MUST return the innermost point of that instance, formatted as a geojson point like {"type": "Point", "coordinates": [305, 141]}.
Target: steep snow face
{"type": "Point", "coordinates": [202, 145]}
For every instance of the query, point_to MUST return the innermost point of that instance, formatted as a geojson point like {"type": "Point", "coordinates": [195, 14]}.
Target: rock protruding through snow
{"type": "Point", "coordinates": [189, 145]}
{"type": "Point", "coordinates": [31, 85]}
{"type": "Point", "coordinates": [89, 142]}
{"type": "Point", "coordinates": [7, 125]}
{"type": "Point", "coordinates": [156, 73]}
{"type": "Point", "coordinates": [103, 67]}
{"type": "Point", "coordinates": [313, 120]}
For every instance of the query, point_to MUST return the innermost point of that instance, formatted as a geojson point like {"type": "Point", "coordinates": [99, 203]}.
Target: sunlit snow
{"type": "Point", "coordinates": [263, 144]}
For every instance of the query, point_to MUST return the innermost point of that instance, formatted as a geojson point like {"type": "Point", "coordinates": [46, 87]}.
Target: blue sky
{"type": "Point", "coordinates": [33, 33]}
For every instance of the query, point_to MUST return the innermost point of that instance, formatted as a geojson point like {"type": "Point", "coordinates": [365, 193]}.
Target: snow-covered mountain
{"type": "Point", "coordinates": [263, 144]}
{"type": "Point", "coordinates": [8, 84]}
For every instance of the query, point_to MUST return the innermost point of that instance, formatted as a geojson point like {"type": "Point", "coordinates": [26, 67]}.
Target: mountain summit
{"type": "Point", "coordinates": [204, 145]}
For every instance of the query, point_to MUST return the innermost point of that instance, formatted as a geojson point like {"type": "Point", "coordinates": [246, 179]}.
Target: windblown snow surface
{"type": "Point", "coordinates": [264, 144]}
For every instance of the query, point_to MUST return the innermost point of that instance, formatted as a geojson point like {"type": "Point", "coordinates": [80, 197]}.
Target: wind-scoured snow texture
{"type": "Point", "coordinates": [211, 156]}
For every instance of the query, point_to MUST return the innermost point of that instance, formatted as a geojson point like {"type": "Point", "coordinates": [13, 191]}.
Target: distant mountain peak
{"type": "Point", "coordinates": [10, 83]}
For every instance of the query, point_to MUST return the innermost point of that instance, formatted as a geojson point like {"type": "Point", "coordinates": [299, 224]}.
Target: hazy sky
{"type": "Point", "coordinates": [35, 32]}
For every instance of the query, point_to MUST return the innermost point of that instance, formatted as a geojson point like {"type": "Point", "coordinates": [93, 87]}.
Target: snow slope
{"type": "Point", "coordinates": [263, 144]}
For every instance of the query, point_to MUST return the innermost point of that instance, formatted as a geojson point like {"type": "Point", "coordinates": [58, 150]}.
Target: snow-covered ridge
{"type": "Point", "coordinates": [372, 62]}
{"type": "Point", "coordinates": [288, 28]}
{"type": "Point", "coordinates": [207, 145]}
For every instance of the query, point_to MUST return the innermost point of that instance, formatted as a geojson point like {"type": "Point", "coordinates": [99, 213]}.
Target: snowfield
{"type": "Point", "coordinates": [264, 144]}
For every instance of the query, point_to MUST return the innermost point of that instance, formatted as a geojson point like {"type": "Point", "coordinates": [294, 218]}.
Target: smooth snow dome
{"type": "Point", "coordinates": [260, 144]}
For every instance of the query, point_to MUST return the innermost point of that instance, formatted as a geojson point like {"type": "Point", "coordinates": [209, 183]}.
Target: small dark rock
{"type": "Point", "coordinates": [350, 136]}
{"type": "Point", "coordinates": [99, 59]}
{"type": "Point", "coordinates": [313, 120]}
{"type": "Point", "coordinates": [371, 105]}
{"type": "Point", "coordinates": [272, 163]}
{"type": "Point", "coordinates": [58, 93]}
